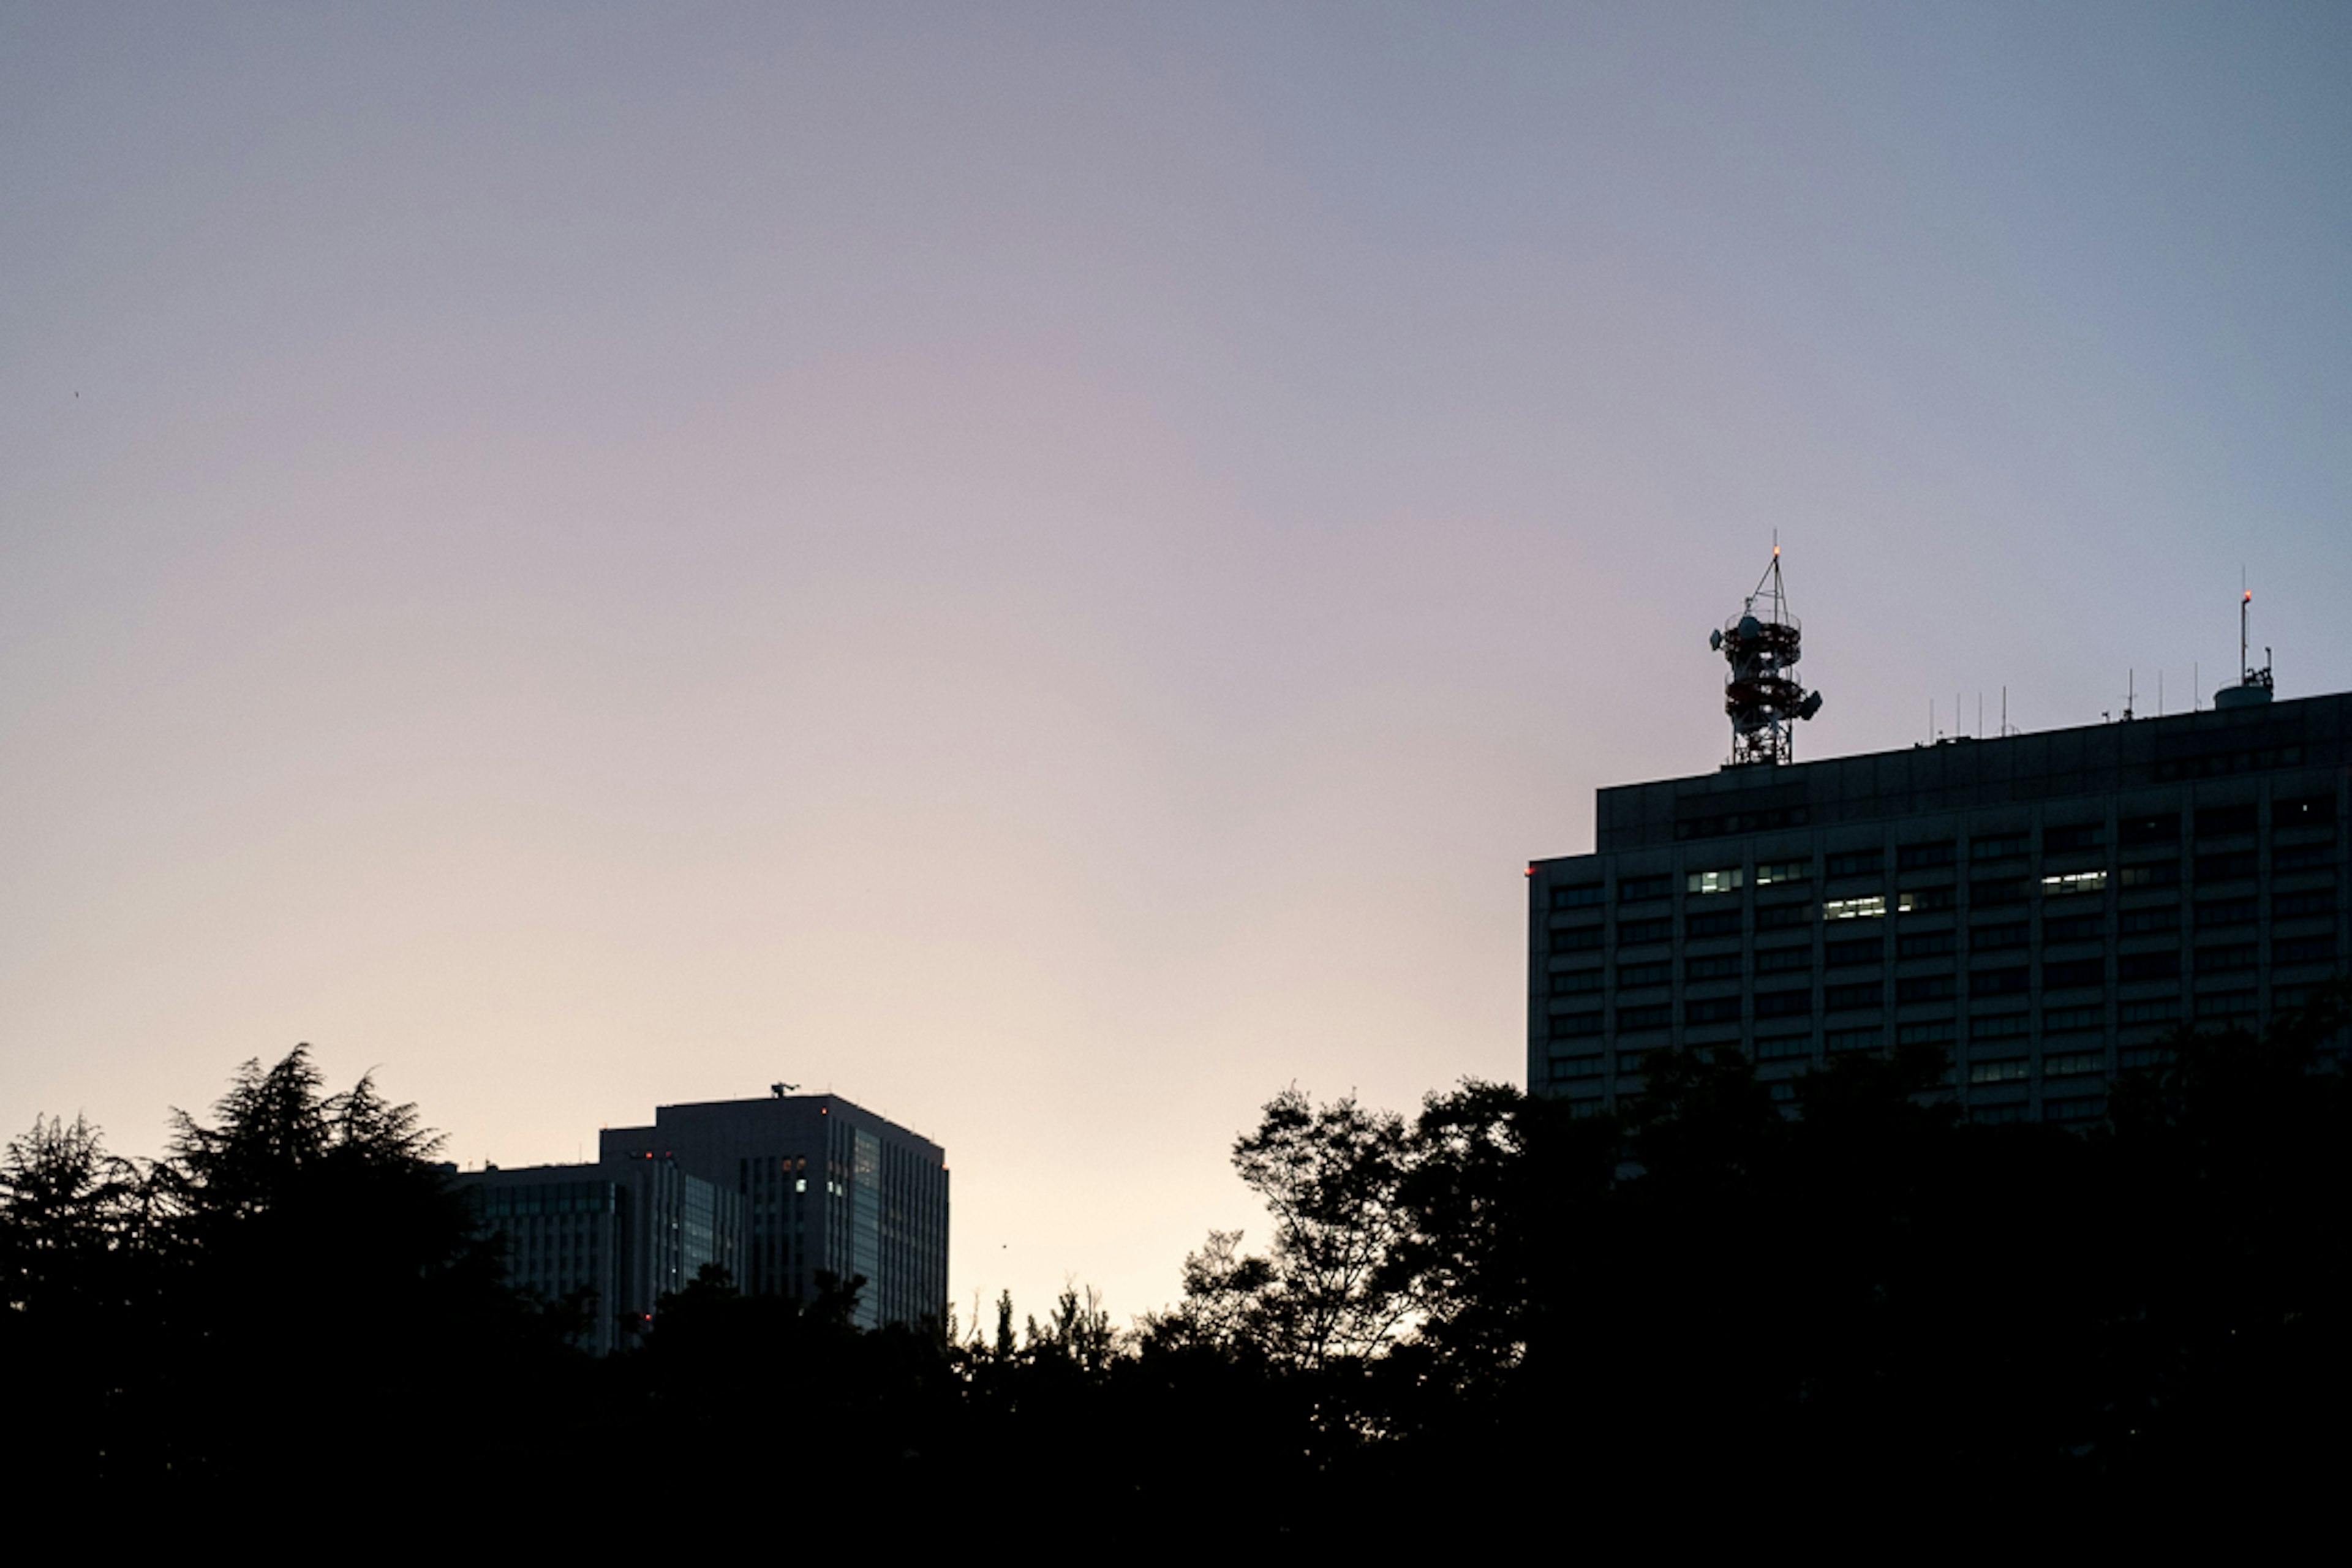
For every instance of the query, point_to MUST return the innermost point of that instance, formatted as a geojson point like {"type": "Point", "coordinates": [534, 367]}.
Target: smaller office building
{"type": "Point", "coordinates": [619, 1234]}
{"type": "Point", "coordinates": [781, 1193]}
{"type": "Point", "coordinates": [825, 1187]}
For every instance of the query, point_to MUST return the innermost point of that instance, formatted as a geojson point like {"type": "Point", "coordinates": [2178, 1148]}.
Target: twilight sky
{"type": "Point", "coordinates": [1045, 567]}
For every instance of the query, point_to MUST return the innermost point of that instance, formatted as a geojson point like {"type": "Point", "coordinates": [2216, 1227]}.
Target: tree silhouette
{"type": "Point", "coordinates": [66, 1208]}
{"type": "Point", "coordinates": [294, 1293]}
{"type": "Point", "coordinates": [1698, 1303]}
{"type": "Point", "coordinates": [75, 1270]}
{"type": "Point", "coordinates": [1329, 1176]}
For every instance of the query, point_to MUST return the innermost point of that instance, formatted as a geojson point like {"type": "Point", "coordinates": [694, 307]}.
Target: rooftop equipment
{"type": "Point", "coordinates": [2254, 685]}
{"type": "Point", "coordinates": [1761, 693]}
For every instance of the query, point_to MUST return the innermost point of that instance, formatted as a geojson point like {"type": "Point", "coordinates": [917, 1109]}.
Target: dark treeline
{"type": "Point", "coordinates": [1706, 1306]}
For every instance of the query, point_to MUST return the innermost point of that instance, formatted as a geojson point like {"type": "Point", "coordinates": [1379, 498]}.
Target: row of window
{"type": "Point", "coordinates": [546, 1197]}
{"type": "Point", "coordinates": [2077, 1064]}
{"type": "Point", "coordinates": [1800, 1047]}
{"type": "Point", "coordinates": [1980, 1073]}
{"type": "Point", "coordinates": [2223, 913]}
{"type": "Point", "coordinates": [2213, 821]}
{"type": "Point", "coordinates": [2209, 959]}
{"type": "Point", "coordinates": [1783, 1005]}
{"type": "Point", "coordinates": [2057, 926]}
{"type": "Point", "coordinates": [2070, 1112]}
{"type": "Point", "coordinates": [2058, 1104]}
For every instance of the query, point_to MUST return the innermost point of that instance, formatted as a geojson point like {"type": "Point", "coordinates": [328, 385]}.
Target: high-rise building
{"type": "Point", "coordinates": [620, 1234]}
{"type": "Point", "coordinates": [827, 1188]}
{"type": "Point", "coordinates": [2047, 908]}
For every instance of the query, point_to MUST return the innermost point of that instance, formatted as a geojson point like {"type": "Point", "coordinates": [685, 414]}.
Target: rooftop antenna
{"type": "Point", "coordinates": [2253, 686]}
{"type": "Point", "coordinates": [1762, 695]}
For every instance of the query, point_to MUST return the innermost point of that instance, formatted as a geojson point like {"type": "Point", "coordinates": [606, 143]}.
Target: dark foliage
{"type": "Point", "coordinates": [291, 1300]}
{"type": "Point", "coordinates": [1869, 1290]}
{"type": "Point", "coordinates": [1702, 1312]}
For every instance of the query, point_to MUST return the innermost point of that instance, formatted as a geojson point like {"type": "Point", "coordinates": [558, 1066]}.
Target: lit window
{"type": "Point", "coordinates": [1725, 882]}
{"type": "Point", "coordinates": [1770, 871]}
{"type": "Point", "coordinates": [1869, 908]}
{"type": "Point", "coordinates": [2073, 882]}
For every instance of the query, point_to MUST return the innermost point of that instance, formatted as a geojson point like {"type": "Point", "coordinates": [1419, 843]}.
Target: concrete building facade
{"type": "Point", "coordinates": [2046, 907]}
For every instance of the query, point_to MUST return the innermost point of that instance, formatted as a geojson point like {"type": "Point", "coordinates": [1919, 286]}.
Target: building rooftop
{"type": "Point", "coordinates": [1971, 774]}
{"type": "Point", "coordinates": [772, 1109]}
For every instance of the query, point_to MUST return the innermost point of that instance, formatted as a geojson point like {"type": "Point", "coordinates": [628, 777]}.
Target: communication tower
{"type": "Point", "coordinates": [1761, 693]}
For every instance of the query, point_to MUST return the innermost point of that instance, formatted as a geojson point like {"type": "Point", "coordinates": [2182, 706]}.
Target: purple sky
{"type": "Point", "coordinates": [1046, 568]}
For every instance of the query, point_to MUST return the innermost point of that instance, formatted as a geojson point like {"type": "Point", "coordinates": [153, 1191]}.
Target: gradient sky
{"type": "Point", "coordinates": [1045, 567]}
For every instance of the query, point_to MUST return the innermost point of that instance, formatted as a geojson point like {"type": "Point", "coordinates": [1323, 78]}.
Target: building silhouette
{"type": "Point", "coordinates": [2047, 908]}
{"type": "Point", "coordinates": [619, 1235]}
{"type": "Point", "coordinates": [786, 1194]}
{"type": "Point", "coordinates": [826, 1188]}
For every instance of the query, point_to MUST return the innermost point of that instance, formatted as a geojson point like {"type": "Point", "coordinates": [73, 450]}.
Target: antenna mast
{"type": "Point", "coordinates": [2254, 686]}
{"type": "Point", "coordinates": [1761, 694]}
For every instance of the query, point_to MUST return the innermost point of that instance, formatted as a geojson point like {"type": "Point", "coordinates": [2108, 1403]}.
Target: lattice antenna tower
{"type": "Point", "coordinates": [1761, 694]}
